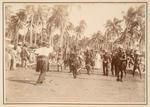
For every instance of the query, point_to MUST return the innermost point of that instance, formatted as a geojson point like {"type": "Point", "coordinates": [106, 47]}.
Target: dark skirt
{"type": "Point", "coordinates": [42, 64]}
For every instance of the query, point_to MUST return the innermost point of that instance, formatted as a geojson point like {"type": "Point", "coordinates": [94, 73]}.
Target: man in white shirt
{"type": "Point", "coordinates": [42, 62]}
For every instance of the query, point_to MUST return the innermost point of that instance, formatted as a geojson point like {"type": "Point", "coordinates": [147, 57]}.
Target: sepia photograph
{"type": "Point", "coordinates": [75, 53]}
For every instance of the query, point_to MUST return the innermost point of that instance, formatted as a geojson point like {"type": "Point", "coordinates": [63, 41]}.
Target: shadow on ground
{"type": "Point", "coordinates": [23, 81]}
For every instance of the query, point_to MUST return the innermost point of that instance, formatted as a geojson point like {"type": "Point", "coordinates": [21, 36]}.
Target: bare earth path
{"type": "Point", "coordinates": [60, 87]}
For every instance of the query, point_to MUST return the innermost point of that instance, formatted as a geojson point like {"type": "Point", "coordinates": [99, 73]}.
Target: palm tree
{"type": "Point", "coordinates": [30, 25]}
{"type": "Point", "coordinates": [34, 22]}
{"type": "Point", "coordinates": [97, 40]}
{"type": "Point", "coordinates": [17, 23]}
{"type": "Point", "coordinates": [8, 29]}
{"type": "Point", "coordinates": [38, 22]}
{"type": "Point", "coordinates": [58, 20]}
{"type": "Point", "coordinates": [12, 26]}
{"type": "Point", "coordinates": [84, 42]}
{"type": "Point", "coordinates": [80, 29]}
{"type": "Point", "coordinates": [113, 28]}
{"type": "Point", "coordinates": [135, 27]}
{"type": "Point", "coordinates": [113, 31]}
{"type": "Point", "coordinates": [68, 34]}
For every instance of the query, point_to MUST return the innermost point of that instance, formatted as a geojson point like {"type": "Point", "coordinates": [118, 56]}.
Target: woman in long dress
{"type": "Point", "coordinates": [98, 61]}
{"type": "Point", "coordinates": [13, 59]}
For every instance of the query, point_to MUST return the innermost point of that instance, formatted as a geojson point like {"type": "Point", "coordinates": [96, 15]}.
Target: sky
{"type": "Point", "coordinates": [95, 15]}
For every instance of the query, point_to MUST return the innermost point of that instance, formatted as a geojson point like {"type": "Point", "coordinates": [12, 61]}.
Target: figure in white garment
{"type": "Point", "coordinates": [98, 61]}
{"type": "Point", "coordinates": [42, 62]}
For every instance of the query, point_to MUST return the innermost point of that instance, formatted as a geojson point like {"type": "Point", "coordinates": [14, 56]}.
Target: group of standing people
{"type": "Point", "coordinates": [16, 56]}
{"type": "Point", "coordinates": [115, 62]}
{"type": "Point", "coordinates": [119, 61]}
{"type": "Point", "coordinates": [80, 59]}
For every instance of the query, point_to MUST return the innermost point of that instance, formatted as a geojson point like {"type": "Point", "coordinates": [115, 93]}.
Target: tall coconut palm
{"type": "Point", "coordinates": [97, 40]}
{"type": "Point", "coordinates": [113, 31]}
{"type": "Point", "coordinates": [113, 28]}
{"type": "Point", "coordinates": [84, 42]}
{"type": "Point", "coordinates": [68, 33]}
{"type": "Point", "coordinates": [135, 26]}
{"type": "Point", "coordinates": [12, 26]}
{"type": "Point", "coordinates": [18, 21]}
{"type": "Point", "coordinates": [38, 22]}
{"type": "Point", "coordinates": [30, 25]}
{"type": "Point", "coordinates": [58, 20]}
{"type": "Point", "coordinates": [8, 29]}
{"type": "Point", "coordinates": [35, 22]}
{"type": "Point", "coordinates": [80, 29]}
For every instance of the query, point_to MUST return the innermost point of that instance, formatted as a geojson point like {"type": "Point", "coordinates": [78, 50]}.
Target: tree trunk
{"type": "Point", "coordinates": [24, 38]}
{"type": "Point", "coordinates": [41, 33]}
{"type": "Point", "coordinates": [17, 38]}
{"type": "Point", "coordinates": [35, 38]}
{"type": "Point", "coordinates": [49, 34]}
{"type": "Point", "coordinates": [52, 44]}
{"type": "Point", "coordinates": [62, 35]}
{"type": "Point", "coordinates": [31, 31]}
{"type": "Point", "coordinates": [41, 37]}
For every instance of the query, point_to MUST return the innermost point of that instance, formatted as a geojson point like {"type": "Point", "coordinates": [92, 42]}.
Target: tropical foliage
{"type": "Point", "coordinates": [35, 24]}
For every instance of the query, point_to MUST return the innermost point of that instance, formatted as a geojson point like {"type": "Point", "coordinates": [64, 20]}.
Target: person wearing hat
{"type": "Point", "coordinates": [24, 56]}
{"type": "Point", "coordinates": [121, 63]}
{"type": "Point", "coordinates": [42, 62]}
{"type": "Point", "coordinates": [105, 63]}
{"type": "Point", "coordinates": [137, 64]}
{"type": "Point", "coordinates": [113, 63]}
{"type": "Point", "coordinates": [88, 61]}
{"type": "Point", "coordinates": [13, 54]}
{"type": "Point", "coordinates": [73, 63]}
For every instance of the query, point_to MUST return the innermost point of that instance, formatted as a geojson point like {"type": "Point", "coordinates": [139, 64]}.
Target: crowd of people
{"type": "Point", "coordinates": [16, 56]}
{"type": "Point", "coordinates": [115, 62]}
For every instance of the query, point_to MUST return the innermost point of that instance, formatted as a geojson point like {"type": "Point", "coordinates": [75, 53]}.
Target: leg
{"type": "Point", "coordinates": [103, 69]}
{"type": "Point", "coordinates": [58, 67]}
{"type": "Point", "coordinates": [74, 72]}
{"type": "Point", "coordinates": [43, 69]}
{"type": "Point", "coordinates": [70, 69]}
{"type": "Point", "coordinates": [139, 72]}
{"type": "Point", "coordinates": [134, 68]}
{"type": "Point", "coordinates": [25, 62]}
{"type": "Point", "coordinates": [117, 71]}
{"type": "Point", "coordinates": [11, 64]}
{"type": "Point", "coordinates": [88, 69]}
{"type": "Point", "coordinates": [41, 77]}
{"type": "Point", "coordinates": [61, 67]}
{"type": "Point", "coordinates": [121, 75]}
{"type": "Point", "coordinates": [48, 66]}
{"type": "Point", "coordinates": [112, 68]}
{"type": "Point", "coordinates": [125, 72]}
{"type": "Point", "coordinates": [106, 69]}
{"type": "Point", "coordinates": [22, 62]}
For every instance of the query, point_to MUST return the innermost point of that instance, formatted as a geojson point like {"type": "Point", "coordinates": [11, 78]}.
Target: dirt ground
{"type": "Point", "coordinates": [60, 87]}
